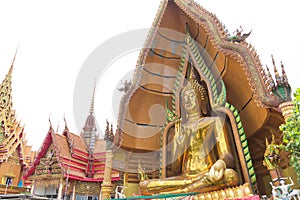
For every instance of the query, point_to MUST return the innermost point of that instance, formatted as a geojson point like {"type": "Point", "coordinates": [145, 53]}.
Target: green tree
{"type": "Point", "coordinates": [291, 135]}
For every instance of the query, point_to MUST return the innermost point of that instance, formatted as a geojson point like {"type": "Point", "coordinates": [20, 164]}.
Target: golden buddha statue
{"type": "Point", "coordinates": [201, 149]}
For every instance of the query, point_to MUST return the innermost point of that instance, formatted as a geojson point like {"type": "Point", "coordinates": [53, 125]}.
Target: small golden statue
{"type": "Point", "coordinates": [201, 149]}
{"type": "Point", "coordinates": [271, 155]}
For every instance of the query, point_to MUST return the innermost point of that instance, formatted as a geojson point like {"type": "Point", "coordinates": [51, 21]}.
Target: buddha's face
{"type": "Point", "coordinates": [189, 100]}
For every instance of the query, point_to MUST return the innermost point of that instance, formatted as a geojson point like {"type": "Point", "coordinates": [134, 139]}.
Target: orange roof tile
{"type": "Point", "coordinates": [100, 146]}
{"type": "Point", "coordinates": [76, 173]}
{"type": "Point", "coordinates": [62, 145]}
{"type": "Point", "coordinates": [77, 141]}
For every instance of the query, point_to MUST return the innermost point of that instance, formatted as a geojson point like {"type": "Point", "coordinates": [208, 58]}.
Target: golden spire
{"type": "Point", "coordinates": [9, 124]}
{"type": "Point", "coordinates": [13, 61]}
{"type": "Point", "coordinates": [5, 94]}
{"type": "Point", "coordinates": [7, 116]}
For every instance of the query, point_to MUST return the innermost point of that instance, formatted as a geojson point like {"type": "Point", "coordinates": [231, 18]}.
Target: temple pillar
{"type": "Point", "coordinates": [32, 188]}
{"type": "Point", "coordinates": [107, 185]}
{"type": "Point", "coordinates": [74, 191]}
{"type": "Point", "coordinates": [125, 182]}
{"type": "Point", "coordinates": [59, 195]}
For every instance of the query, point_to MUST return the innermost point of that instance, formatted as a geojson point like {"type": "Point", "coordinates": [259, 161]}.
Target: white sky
{"type": "Point", "coordinates": [56, 37]}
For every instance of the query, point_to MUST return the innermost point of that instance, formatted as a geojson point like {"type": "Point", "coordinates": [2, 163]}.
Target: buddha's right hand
{"type": "Point", "coordinates": [216, 172]}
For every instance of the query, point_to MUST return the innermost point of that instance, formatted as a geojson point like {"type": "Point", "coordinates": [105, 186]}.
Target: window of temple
{"type": "Point", "coordinates": [84, 197]}
{"type": "Point", "coordinates": [8, 181]}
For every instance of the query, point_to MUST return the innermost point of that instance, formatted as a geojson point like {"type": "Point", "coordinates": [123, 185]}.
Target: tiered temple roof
{"type": "Point", "coordinates": [70, 158]}
{"type": "Point", "coordinates": [76, 157]}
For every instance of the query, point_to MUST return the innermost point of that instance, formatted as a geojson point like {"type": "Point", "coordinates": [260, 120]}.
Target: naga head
{"type": "Point", "coordinates": [281, 89]}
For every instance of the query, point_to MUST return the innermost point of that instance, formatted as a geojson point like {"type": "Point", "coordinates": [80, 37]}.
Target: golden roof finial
{"type": "Point", "coordinates": [57, 127]}
{"type": "Point", "coordinates": [50, 121]}
{"type": "Point", "coordinates": [66, 125]}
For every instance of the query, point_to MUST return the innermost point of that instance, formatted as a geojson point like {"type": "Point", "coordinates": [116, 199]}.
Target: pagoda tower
{"type": "Point", "coordinates": [14, 154]}
{"type": "Point", "coordinates": [89, 133]}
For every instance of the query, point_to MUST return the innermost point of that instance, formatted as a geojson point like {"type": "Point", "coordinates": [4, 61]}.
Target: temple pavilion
{"type": "Point", "coordinates": [186, 39]}
{"type": "Point", "coordinates": [15, 155]}
{"type": "Point", "coordinates": [71, 166]}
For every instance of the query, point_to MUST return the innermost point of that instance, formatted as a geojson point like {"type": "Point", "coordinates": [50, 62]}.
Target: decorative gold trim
{"type": "Point", "coordinates": [287, 109]}
{"type": "Point", "coordinates": [243, 53]}
{"type": "Point", "coordinates": [228, 193]}
{"type": "Point", "coordinates": [138, 70]}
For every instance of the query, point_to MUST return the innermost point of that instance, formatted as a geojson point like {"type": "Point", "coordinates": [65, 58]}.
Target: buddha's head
{"type": "Point", "coordinates": [189, 98]}
{"type": "Point", "coordinates": [194, 98]}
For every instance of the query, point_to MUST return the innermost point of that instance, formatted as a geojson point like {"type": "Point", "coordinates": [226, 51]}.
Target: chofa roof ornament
{"type": "Point", "coordinates": [238, 36]}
